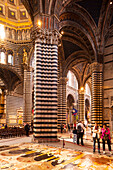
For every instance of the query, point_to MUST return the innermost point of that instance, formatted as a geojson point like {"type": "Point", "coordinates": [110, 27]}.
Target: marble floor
{"type": "Point", "coordinates": [23, 154]}
{"type": "Point", "coordinates": [30, 156]}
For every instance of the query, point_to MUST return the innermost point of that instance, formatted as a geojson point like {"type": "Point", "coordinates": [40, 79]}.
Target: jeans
{"type": "Point", "coordinates": [109, 144]}
{"type": "Point", "coordinates": [80, 135]}
{"type": "Point", "coordinates": [94, 142]}
{"type": "Point", "coordinates": [27, 132]}
{"type": "Point", "coordinates": [74, 138]}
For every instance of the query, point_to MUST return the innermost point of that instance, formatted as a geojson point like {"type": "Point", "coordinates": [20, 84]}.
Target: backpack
{"type": "Point", "coordinates": [79, 129]}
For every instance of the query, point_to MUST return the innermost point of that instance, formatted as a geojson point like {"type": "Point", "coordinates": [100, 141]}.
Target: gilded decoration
{"type": "Point", "coordinates": [1, 10]}
{"type": "Point", "coordinates": [25, 57]}
{"type": "Point", "coordinates": [23, 15]}
{"type": "Point", "coordinates": [11, 1]}
{"type": "Point", "coordinates": [11, 14]}
{"type": "Point", "coordinates": [14, 14]}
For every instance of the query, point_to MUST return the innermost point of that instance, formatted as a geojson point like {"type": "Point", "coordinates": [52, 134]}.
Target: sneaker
{"type": "Point", "coordinates": [104, 152]}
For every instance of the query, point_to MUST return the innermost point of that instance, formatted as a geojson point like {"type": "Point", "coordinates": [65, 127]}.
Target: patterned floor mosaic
{"type": "Point", "coordinates": [30, 156]}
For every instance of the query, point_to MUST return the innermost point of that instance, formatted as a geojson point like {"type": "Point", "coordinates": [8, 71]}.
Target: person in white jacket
{"type": "Point", "coordinates": [96, 136]}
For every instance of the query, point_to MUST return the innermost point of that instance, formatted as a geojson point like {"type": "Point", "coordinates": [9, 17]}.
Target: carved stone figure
{"type": "Point", "coordinates": [27, 35]}
{"type": "Point", "coordinates": [25, 58]}
{"type": "Point", "coordinates": [7, 33]}
{"type": "Point", "coordinates": [19, 35]}
{"type": "Point", "coordinates": [23, 35]}
{"type": "Point", "coordinates": [13, 34]}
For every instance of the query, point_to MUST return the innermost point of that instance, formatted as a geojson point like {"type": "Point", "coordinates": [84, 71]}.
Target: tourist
{"type": "Point", "coordinates": [96, 136]}
{"type": "Point", "coordinates": [27, 128]}
{"type": "Point", "coordinates": [75, 135]}
{"type": "Point", "coordinates": [6, 126]}
{"type": "Point", "coordinates": [106, 137]}
{"type": "Point", "coordinates": [80, 132]}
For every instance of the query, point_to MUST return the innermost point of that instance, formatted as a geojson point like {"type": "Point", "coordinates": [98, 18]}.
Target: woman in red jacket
{"type": "Point", "coordinates": [106, 137]}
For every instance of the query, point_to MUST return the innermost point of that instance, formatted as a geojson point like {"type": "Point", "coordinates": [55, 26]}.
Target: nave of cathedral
{"type": "Point", "coordinates": [56, 58]}
{"type": "Point", "coordinates": [56, 69]}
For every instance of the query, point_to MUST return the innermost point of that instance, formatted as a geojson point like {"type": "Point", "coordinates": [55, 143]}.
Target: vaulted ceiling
{"type": "Point", "coordinates": [86, 22]}
{"type": "Point", "coordinates": [9, 77]}
{"type": "Point", "coordinates": [86, 26]}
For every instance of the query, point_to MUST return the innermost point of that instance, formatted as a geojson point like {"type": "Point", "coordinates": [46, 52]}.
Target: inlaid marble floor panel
{"type": "Point", "coordinates": [30, 156]}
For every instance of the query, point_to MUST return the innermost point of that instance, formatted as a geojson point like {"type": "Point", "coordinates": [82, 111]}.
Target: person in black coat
{"type": "Point", "coordinates": [80, 132]}
{"type": "Point", "coordinates": [27, 128]}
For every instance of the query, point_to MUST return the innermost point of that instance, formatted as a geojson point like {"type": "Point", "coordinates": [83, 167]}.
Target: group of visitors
{"type": "Point", "coordinates": [78, 132]}
{"type": "Point", "coordinates": [104, 134]}
{"type": "Point", "coordinates": [65, 128]}
{"type": "Point", "coordinates": [97, 134]}
{"type": "Point", "coordinates": [3, 126]}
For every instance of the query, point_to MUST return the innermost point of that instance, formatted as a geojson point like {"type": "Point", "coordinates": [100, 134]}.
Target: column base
{"type": "Point", "coordinates": [44, 140]}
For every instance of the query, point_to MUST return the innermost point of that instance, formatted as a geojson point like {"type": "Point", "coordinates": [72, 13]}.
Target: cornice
{"type": "Point", "coordinates": [16, 25]}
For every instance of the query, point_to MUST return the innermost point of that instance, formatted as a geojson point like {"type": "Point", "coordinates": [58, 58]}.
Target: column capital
{"type": "Point", "coordinates": [82, 90]}
{"type": "Point", "coordinates": [45, 35]}
{"type": "Point", "coordinates": [30, 69]}
{"type": "Point", "coordinates": [96, 67]}
{"type": "Point", "coordinates": [63, 80]}
{"type": "Point", "coordinates": [25, 66]}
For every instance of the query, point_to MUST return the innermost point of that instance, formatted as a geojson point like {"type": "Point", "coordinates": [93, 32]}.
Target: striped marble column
{"type": "Point", "coordinates": [45, 87]}
{"type": "Point", "coordinates": [27, 96]}
{"type": "Point", "coordinates": [62, 104]}
{"type": "Point", "coordinates": [81, 105]}
{"type": "Point", "coordinates": [97, 79]}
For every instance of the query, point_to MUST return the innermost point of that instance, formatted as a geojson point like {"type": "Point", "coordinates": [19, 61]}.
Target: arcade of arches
{"type": "Point", "coordinates": [56, 56]}
{"type": "Point", "coordinates": [72, 95]}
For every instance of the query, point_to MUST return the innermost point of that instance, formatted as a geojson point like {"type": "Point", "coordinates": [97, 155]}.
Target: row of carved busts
{"type": "Point", "coordinates": [13, 34]}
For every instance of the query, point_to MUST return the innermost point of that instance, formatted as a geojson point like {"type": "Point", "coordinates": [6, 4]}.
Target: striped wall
{"type": "Point", "coordinates": [97, 100]}
{"type": "Point", "coordinates": [81, 106]}
{"type": "Point", "coordinates": [45, 90]}
{"type": "Point", "coordinates": [108, 79]}
{"type": "Point", "coordinates": [62, 103]}
{"type": "Point", "coordinates": [27, 97]}
{"type": "Point", "coordinates": [13, 103]}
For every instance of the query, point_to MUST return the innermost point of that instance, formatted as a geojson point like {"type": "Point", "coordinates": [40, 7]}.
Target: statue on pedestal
{"type": "Point", "coordinates": [25, 58]}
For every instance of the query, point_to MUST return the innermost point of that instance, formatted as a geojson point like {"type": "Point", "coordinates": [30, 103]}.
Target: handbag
{"type": "Point", "coordinates": [106, 137]}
